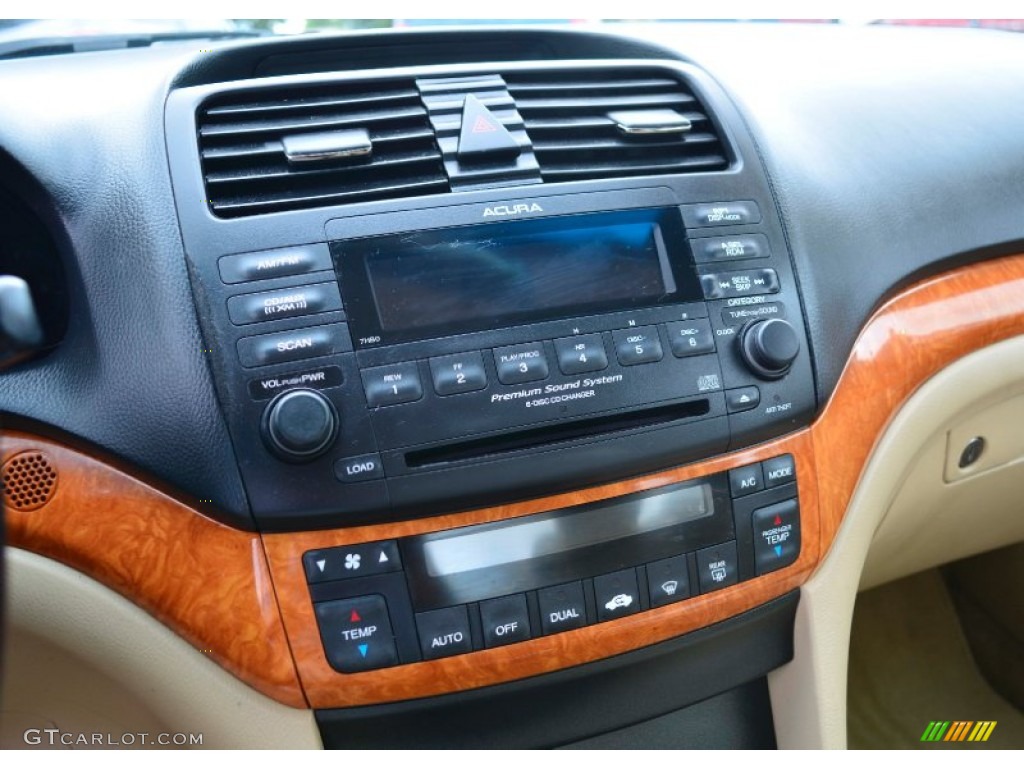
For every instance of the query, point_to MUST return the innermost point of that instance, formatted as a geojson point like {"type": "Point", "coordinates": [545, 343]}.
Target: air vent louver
{"type": "Point", "coordinates": [247, 172]}
{"type": "Point", "coordinates": [566, 113]}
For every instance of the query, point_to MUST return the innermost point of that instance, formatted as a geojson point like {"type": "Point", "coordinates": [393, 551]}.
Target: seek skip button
{"type": "Point", "coordinates": [356, 469]}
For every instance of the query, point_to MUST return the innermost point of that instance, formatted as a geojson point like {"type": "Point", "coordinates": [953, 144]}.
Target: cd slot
{"type": "Point", "coordinates": [498, 445]}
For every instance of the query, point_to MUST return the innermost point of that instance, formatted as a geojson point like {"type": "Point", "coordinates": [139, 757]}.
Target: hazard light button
{"type": "Point", "coordinates": [356, 633]}
{"type": "Point", "coordinates": [483, 139]}
{"type": "Point", "coordinates": [776, 536]}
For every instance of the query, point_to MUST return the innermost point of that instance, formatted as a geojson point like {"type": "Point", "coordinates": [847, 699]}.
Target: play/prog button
{"type": "Point", "coordinates": [357, 633]}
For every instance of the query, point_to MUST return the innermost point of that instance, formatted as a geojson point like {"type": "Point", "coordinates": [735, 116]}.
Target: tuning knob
{"type": "Point", "coordinates": [769, 347]}
{"type": "Point", "coordinates": [300, 425]}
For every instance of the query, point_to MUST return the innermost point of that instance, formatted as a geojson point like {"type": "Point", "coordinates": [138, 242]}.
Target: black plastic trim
{"type": "Point", "coordinates": [566, 706]}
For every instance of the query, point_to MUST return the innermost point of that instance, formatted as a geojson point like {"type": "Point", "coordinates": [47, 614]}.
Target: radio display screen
{"type": "Point", "coordinates": [445, 281]}
{"type": "Point", "coordinates": [494, 559]}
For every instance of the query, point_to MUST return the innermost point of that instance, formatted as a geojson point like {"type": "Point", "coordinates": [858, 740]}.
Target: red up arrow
{"type": "Point", "coordinates": [778, 520]}
{"type": "Point", "coordinates": [483, 125]}
{"type": "Point", "coordinates": [355, 617]}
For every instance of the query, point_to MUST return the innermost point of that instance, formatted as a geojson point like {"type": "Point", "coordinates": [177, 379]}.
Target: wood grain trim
{"type": "Point", "coordinates": [206, 581]}
{"type": "Point", "coordinates": [212, 584]}
{"type": "Point", "coordinates": [906, 342]}
{"type": "Point", "coordinates": [326, 688]}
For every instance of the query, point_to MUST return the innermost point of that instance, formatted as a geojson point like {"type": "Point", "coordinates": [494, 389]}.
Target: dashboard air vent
{"type": "Point", "coordinates": [310, 146]}
{"type": "Point", "coordinates": [598, 124]}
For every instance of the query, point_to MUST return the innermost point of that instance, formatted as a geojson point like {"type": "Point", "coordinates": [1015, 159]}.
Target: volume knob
{"type": "Point", "coordinates": [769, 347]}
{"type": "Point", "coordinates": [300, 425]}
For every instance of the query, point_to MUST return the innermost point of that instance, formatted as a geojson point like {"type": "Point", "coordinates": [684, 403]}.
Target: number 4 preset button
{"type": "Point", "coordinates": [581, 354]}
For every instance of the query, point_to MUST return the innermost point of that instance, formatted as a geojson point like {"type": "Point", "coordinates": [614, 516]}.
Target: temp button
{"type": "Point", "coordinates": [356, 633]}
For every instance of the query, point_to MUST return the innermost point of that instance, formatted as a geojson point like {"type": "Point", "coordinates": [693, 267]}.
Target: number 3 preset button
{"type": "Point", "coordinates": [523, 362]}
{"type": "Point", "coordinates": [392, 384]}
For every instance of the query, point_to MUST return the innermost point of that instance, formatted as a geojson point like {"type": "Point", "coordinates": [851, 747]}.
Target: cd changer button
{"type": "Point", "coordinates": [521, 363]}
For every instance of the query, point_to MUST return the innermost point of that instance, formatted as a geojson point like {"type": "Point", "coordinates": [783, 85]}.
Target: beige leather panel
{"type": "Point", "coordinates": [809, 694]}
{"type": "Point", "coordinates": [83, 659]}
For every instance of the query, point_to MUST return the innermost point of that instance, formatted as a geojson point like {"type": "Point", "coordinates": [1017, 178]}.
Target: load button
{"type": "Point", "coordinates": [356, 469]}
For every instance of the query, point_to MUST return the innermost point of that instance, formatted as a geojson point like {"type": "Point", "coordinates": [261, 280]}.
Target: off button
{"type": "Point", "coordinates": [505, 620]}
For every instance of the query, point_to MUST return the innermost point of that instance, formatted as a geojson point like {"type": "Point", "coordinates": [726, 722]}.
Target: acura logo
{"type": "Point", "coordinates": [512, 210]}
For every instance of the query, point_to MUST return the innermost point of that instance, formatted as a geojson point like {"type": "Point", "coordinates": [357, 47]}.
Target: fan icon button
{"type": "Point", "coordinates": [352, 562]}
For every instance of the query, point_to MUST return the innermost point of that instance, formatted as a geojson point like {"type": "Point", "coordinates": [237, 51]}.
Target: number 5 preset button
{"type": "Point", "coordinates": [634, 346]}
{"type": "Point", "coordinates": [392, 384]}
{"type": "Point", "coordinates": [523, 362]}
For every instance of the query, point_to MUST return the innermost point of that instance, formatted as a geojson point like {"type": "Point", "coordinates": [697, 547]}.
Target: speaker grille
{"type": "Point", "coordinates": [29, 481]}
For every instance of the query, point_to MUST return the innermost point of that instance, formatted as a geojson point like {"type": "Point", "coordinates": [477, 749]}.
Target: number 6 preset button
{"type": "Point", "coordinates": [392, 384]}
{"type": "Point", "coordinates": [521, 363]}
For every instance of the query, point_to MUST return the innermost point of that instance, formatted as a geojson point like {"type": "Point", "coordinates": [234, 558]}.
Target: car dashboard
{"type": "Point", "coordinates": [500, 387]}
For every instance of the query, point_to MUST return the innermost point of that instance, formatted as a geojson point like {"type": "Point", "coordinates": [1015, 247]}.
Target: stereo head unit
{"type": "Point", "coordinates": [416, 362]}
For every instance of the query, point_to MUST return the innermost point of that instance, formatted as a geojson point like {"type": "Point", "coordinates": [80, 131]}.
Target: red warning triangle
{"type": "Point", "coordinates": [483, 125]}
{"type": "Point", "coordinates": [355, 617]}
{"type": "Point", "coordinates": [778, 520]}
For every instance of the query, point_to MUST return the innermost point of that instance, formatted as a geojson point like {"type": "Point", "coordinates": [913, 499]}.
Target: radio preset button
{"type": "Point", "coordinates": [356, 633]}
{"type": "Point", "coordinates": [617, 594]}
{"type": "Point", "coordinates": [299, 344]}
{"type": "Point", "coordinates": [444, 632]}
{"type": "Point", "coordinates": [505, 620]}
{"type": "Point", "coordinates": [581, 354]}
{"type": "Point", "coordinates": [281, 262]}
{"type": "Point", "coordinates": [562, 608]}
{"type": "Point", "coordinates": [455, 374]}
{"type": "Point", "coordinates": [634, 346]}
{"type": "Point", "coordinates": [692, 338]}
{"type": "Point", "coordinates": [721, 214]}
{"type": "Point", "coordinates": [742, 399]}
{"type": "Point", "coordinates": [356, 469]}
{"type": "Point", "coordinates": [287, 302]}
{"type": "Point", "coordinates": [750, 282]}
{"type": "Point", "coordinates": [711, 249]}
{"type": "Point", "coordinates": [392, 384]}
{"type": "Point", "coordinates": [521, 363]}
{"type": "Point", "coordinates": [716, 567]}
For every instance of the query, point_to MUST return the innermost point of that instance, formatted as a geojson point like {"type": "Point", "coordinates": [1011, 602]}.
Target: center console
{"type": "Point", "coordinates": [515, 425]}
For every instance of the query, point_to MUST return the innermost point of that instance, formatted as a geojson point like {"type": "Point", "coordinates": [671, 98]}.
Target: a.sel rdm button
{"type": "Point", "coordinates": [392, 384]}
{"type": "Point", "coordinates": [357, 633]}
{"type": "Point", "coordinates": [525, 362]}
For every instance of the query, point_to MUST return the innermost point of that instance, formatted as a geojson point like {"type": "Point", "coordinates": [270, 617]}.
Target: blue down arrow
{"type": "Point", "coordinates": [778, 553]}
{"type": "Point", "coordinates": [363, 648]}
